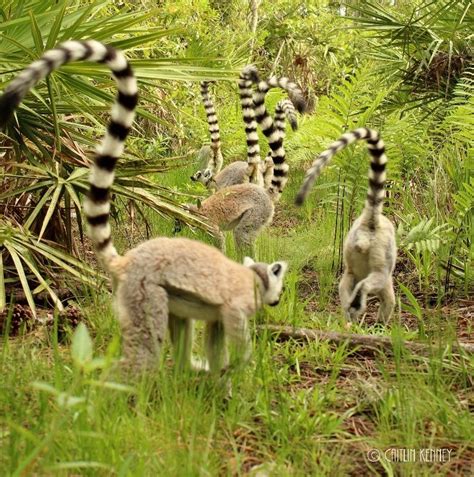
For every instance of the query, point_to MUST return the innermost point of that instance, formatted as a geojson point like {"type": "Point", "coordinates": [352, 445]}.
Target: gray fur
{"type": "Point", "coordinates": [370, 249]}
{"type": "Point", "coordinates": [165, 284]}
{"type": "Point", "coordinates": [245, 208]}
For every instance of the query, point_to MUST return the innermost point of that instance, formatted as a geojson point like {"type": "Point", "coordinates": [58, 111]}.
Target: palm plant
{"type": "Point", "coordinates": [425, 43]}
{"type": "Point", "coordinates": [44, 150]}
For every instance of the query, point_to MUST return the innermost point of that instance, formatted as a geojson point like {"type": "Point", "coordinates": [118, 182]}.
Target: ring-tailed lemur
{"type": "Point", "coordinates": [240, 172]}
{"type": "Point", "coordinates": [162, 283]}
{"type": "Point", "coordinates": [215, 159]}
{"type": "Point", "coordinates": [272, 131]}
{"type": "Point", "coordinates": [247, 208]}
{"type": "Point", "coordinates": [237, 172]}
{"type": "Point", "coordinates": [370, 250]}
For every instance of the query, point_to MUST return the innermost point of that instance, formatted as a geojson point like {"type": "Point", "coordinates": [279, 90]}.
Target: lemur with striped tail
{"type": "Point", "coordinates": [163, 283]}
{"type": "Point", "coordinates": [214, 154]}
{"type": "Point", "coordinates": [273, 130]}
{"type": "Point", "coordinates": [247, 208]}
{"type": "Point", "coordinates": [370, 249]}
{"type": "Point", "coordinates": [238, 172]}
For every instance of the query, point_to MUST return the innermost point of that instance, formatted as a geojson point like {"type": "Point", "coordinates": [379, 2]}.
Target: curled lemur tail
{"type": "Point", "coordinates": [248, 76]}
{"type": "Point", "coordinates": [97, 204]}
{"type": "Point", "coordinates": [216, 162]}
{"type": "Point", "coordinates": [376, 193]}
{"type": "Point", "coordinates": [276, 134]}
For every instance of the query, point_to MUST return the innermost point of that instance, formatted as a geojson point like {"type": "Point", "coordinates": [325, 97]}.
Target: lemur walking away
{"type": "Point", "coordinates": [370, 249]}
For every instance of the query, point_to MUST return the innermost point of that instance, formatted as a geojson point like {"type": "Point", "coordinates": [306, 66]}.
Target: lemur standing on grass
{"type": "Point", "coordinates": [370, 250]}
{"type": "Point", "coordinates": [247, 208]}
{"type": "Point", "coordinates": [240, 172]}
{"type": "Point", "coordinates": [162, 283]}
{"type": "Point", "coordinates": [214, 154]}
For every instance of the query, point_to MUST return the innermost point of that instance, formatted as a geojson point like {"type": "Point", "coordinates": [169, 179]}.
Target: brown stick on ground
{"type": "Point", "coordinates": [364, 341]}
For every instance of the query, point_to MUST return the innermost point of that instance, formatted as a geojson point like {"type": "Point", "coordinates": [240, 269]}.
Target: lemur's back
{"type": "Point", "coordinates": [229, 204]}
{"type": "Point", "coordinates": [181, 266]}
{"type": "Point", "coordinates": [235, 173]}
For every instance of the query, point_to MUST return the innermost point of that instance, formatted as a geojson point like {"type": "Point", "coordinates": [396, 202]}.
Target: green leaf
{"type": "Point", "coordinates": [36, 34]}
{"type": "Point", "coordinates": [56, 28]}
{"type": "Point", "coordinates": [40, 386]}
{"type": "Point", "coordinates": [24, 281]}
{"type": "Point", "coordinates": [81, 346]}
{"type": "Point", "coordinates": [51, 208]}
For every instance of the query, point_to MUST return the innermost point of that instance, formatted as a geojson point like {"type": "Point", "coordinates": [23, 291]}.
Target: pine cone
{"type": "Point", "coordinates": [68, 320]}
{"type": "Point", "coordinates": [22, 318]}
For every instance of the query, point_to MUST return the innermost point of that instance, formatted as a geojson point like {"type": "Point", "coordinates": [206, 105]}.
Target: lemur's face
{"type": "Point", "coordinates": [204, 177]}
{"type": "Point", "coordinates": [271, 279]}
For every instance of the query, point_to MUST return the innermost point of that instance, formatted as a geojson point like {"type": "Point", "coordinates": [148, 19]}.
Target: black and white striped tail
{"type": "Point", "coordinates": [96, 205]}
{"type": "Point", "coordinates": [284, 109]}
{"type": "Point", "coordinates": [275, 134]}
{"type": "Point", "coordinates": [377, 177]}
{"type": "Point", "coordinates": [215, 164]}
{"type": "Point", "coordinates": [248, 77]}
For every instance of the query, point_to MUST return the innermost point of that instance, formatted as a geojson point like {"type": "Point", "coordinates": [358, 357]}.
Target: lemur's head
{"type": "Point", "coordinates": [204, 177]}
{"type": "Point", "coordinates": [270, 277]}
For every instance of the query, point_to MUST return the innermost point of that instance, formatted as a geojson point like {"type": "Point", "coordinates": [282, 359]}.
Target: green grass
{"type": "Point", "coordinates": [297, 409]}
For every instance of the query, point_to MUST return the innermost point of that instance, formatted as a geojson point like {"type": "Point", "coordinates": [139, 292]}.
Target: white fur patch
{"type": "Point", "coordinates": [275, 136]}
{"type": "Point", "coordinates": [118, 63]}
{"type": "Point", "coordinates": [75, 48]}
{"type": "Point", "coordinates": [100, 233]}
{"type": "Point", "coordinates": [109, 251]}
{"type": "Point", "coordinates": [248, 102]}
{"type": "Point", "coordinates": [92, 209]}
{"type": "Point", "coordinates": [122, 115]}
{"type": "Point", "coordinates": [110, 146]}
{"type": "Point", "coordinates": [101, 178]}
{"type": "Point", "coordinates": [56, 56]}
{"type": "Point", "coordinates": [127, 85]}
{"type": "Point", "coordinates": [99, 50]}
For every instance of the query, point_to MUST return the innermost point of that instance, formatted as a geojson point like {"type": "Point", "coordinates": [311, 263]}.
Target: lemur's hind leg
{"type": "Point", "coordinates": [216, 350]}
{"type": "Point", "coordinates": [238, 336]}
{"type": "Point", "coordinates": [247, 230]}
{"type": "Point", "coordinates": [387, 301]}
{"type": "Point", "coordinates": [181, 334]}
{"type": "Point", "coordinates": [143, 316]}
{"type": "Point", "coordinates": [373, 284]}
{"type": "Point", "coordinates": [346, 287]}
{"type": "Point", "coordinates": [220, 239]}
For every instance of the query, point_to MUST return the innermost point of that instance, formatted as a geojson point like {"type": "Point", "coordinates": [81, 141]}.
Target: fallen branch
{"type": "Point", "coordinates": [353, 340]}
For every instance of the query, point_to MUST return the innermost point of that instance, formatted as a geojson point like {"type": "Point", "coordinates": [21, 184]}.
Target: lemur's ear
{"type": "Point", "coordinates": [279, 268]}
{"type": "Point", "coordinates": [248, 262]}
